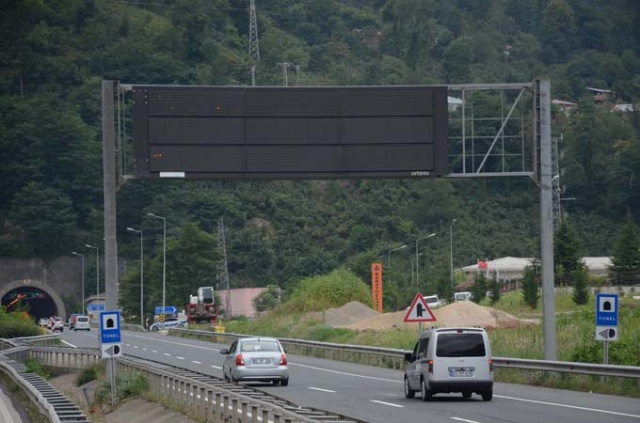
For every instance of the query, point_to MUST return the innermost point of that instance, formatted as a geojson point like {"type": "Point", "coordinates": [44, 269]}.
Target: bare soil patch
{"type": "Point", "coordinates": [358, 316]}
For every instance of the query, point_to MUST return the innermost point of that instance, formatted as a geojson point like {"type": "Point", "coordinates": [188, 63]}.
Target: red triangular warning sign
{"type": "Point", "coordinates": [419, 311]}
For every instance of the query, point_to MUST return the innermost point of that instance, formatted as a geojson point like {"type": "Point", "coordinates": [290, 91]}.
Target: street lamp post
{"type": "Point", "coordinates": [418, 259]}
{"type": "Point", "coordinates": [141, 273]}
{"type": "Point", "coordinates": [164, 262]}
{"type": "Point", "coordinates": [97, 270]}
{"type": "Point", "coordinates": [389, 255]}
{"type": "Point", "coordinates": [451, 250]}
{"type": "Point", "coordinates": [82, 257]}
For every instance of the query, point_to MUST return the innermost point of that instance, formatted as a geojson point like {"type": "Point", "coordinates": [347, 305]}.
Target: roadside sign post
{"type": "Point", "coordinates": [606, 321]}
{"type": "Point", "coordinates": [419, 311]}
{"type": "Point", "coordinates": [111, 345]}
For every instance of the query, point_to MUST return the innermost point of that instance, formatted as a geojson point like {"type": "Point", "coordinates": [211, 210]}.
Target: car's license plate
{"type": "Point", "coordinates": [460, 371]}
{"type": "Point", "coordinates": [261, 360]}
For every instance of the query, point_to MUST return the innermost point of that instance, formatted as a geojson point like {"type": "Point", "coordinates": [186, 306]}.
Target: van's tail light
{"type": "Point", "coordinates": [283, 359]}
{"type": "Point", "coordinates": [491, 365]}
{"type": "Point", "coordinates": [239, 360]}
{"type": "Point", "coordinates": [430, 366]}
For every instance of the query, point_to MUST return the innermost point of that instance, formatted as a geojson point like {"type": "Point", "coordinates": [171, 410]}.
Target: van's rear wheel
{"type": "Point", "coordinates": [487, 395]}
{"type": "Point", "coordinates": [466, 395]}
{"type": "Point", "coordinates": [408, 392]}
{"type": "Point", "coordinates": [426, 393]}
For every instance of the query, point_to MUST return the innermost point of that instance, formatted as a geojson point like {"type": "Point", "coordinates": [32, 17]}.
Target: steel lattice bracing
{"type": "Point", "coordinates": [254, 48]}
{"type": "Point", "coordinates": [490, 130]}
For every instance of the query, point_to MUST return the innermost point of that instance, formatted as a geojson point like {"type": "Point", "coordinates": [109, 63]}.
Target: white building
{"type": "Point", "coordinates": [512, 268]}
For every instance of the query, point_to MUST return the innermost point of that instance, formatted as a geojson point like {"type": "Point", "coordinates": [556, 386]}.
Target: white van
{"type": "Point", "coordinates": [462, 296]}
{"type": "Point", "coordinates": [450, 360]}
{"type": "Point", "coordinates": [82, 323]}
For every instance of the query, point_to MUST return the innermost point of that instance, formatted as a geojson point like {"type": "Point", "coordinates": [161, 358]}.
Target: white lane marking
{"type": "Point", "coordinates": [154, 351]}
{"type": "Point", "coordinates": [197, 362]}
{"type": "Point", "coordinates": [68, 343]}
{"type": "Point", "coordinates": [323, 390]}
{"type": "Point", "coordinates": [575, 407]}
{"type": "Point", "coordinates": [388, 403]}
{"type": "Point", "coordinates": [345, 373]}
{"type": "Point", "coordinates": [144, 348]}
{"type": "Point", "coordinates": [167, 354]}
{"type": "Point", "coordinates": [175, 343]}
{"type": "Point", "coordinates": [180, 358]}
{"type": "Point", "coordinates": [135, 346]}
{"type": "Point", "coordinates": [464, 420]}
{"type": "Point", "coordinates": [216, 367]}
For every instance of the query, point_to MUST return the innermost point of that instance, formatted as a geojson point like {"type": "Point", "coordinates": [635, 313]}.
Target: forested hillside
{"type": "Point", "coordinates": [54, 54]}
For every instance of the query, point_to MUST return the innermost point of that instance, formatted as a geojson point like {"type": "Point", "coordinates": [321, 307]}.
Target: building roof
{"type": "Point", "coordinates": [506, 264]}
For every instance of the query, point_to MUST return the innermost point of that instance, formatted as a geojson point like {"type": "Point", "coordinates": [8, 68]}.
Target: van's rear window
{"type": "Point", "coordinates": [460, 345]}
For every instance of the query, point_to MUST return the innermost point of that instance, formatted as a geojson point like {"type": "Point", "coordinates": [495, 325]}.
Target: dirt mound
{"type": "Point", "coordinates": [461, 313]}
{"type": "Point", "coordinates": [346, 315]}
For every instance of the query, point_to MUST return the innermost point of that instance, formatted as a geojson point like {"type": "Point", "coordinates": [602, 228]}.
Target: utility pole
{"type": "Point", "coordinates": [285, 76]}
{"type": "Point", "coordinates": [223, 273]}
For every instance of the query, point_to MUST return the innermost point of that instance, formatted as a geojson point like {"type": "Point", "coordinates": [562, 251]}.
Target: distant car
{"type": "Point", "coordinates": [56, 324]}
{"type": "Point", "coordinates": [168, 324]}
{"type": "Point", "coordinates": [433, 301]}
{"type": "Point", "coordinates": [463, 296]}
{"type": "Point", "coordinates": [256, 360]}
{"type": "Point", "coordinates": [43, 322]}
{"type": "Point", "coordinates": [82, 323]}
{"type": "Point", "coordinates": [72, 320]}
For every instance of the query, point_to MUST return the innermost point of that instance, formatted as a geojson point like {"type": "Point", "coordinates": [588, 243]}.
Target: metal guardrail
{"type": "Point", "coordinates": [394, 358]}
{"type": "Point", "coordinates": [198, 394]}
{"type": "Point", "coordinates": [49, 400]}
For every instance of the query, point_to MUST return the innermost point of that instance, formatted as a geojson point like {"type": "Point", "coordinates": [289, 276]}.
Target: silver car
{"type": "Point", "coordinates": [256, 359]}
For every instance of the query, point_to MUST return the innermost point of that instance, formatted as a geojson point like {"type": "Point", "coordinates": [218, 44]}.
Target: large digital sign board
{"type": "Point", "coordinates": [212, 132]}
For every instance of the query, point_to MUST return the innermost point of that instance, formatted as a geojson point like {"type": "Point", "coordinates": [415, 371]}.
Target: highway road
{"type": "Point", "coordinates": [376, 395]}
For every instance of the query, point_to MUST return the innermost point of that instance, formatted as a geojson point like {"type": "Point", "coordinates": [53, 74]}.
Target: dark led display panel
{"type": "Point", "coordinates": [290, 132]}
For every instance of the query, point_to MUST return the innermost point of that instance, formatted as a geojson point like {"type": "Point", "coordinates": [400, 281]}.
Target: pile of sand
{"type": "Point", "coordinates": [357, 316]}
{"type": "Point", "coordinates": [346, 315]}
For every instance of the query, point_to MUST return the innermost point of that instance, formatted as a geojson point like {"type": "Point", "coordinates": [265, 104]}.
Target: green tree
{"type": "Point", "coordinates": [625, 260]}
{"type": "Point", "coordinates": [530, 285]}
{"type": "Point", "coordinates": [494, 289]}
{"type": "Point", "coordinates": [580, 286]}
{"type": "Point", "coordinates": [479, 288]}
{"type": "Point", "coordinates": [42, 218]}
{"type": "Point", "coordinates": [268, 299]}
{"type": "Point", "coordinates": [566, 251]}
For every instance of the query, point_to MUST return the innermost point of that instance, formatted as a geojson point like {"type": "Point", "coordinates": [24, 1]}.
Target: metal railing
{"type": "Point", "coordinates": [394, 358]}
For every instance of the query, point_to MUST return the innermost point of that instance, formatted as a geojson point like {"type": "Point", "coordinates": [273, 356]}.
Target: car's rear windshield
{"type": "Point", "coordinates": [460, 345]}
{"type": "Point", "coordinates": [82, 319]}
{"type": "Point", "coordinates": [252, 346]}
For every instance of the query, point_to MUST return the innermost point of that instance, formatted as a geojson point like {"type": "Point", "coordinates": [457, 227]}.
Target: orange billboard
{"type": "Point", "coordinates": [376, 285]}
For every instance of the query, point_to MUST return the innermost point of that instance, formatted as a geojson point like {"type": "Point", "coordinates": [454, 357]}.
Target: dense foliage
{"type": "Point", "coordinates": [54, 54]}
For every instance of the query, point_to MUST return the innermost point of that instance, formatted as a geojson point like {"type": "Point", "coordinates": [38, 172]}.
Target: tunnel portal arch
{"type": "Point", "coordinates": [43, 300]}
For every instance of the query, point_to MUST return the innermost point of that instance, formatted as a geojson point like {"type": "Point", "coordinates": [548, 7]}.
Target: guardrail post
{"type": "Point", "coordinates": [244, 411]}
{"type": "Point", "coordinates": [225, 408]}
{"type": "Point", "coordinates": [219, 405]}
{"type": "Point", "coordinates": [254, 414]}
{"type": "Point", "coordinates": [265, 415]}
{"type": "Point", "coordinates": [234, 410]}
{"type": "Point", "coordinates": [276, 418]}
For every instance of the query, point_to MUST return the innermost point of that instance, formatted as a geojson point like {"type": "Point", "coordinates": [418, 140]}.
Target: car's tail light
{"type": "Point", "coordinates": [491, 365]}
{"type": "Point", "coordinates": [430, 366]}
{"type": "Point", "coordinates": [239, 360]}
{"type": "Point", "coordinates": [283, 359]}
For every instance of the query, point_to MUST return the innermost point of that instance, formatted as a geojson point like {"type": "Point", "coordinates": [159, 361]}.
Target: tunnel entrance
{"type": "Point", "coordinates": [34, 301]}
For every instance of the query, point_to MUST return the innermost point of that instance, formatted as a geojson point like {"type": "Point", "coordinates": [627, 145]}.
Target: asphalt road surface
{"type": "Point", "coordinates": [376, 394]}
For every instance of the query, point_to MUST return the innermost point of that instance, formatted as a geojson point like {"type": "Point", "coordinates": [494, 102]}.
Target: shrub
{"type": "Point", "coordinates": [34, 366]}
{"type": "Point", "coordinates": [130, 384]}
{"type": "Point", "coordinates": [88, 374]}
